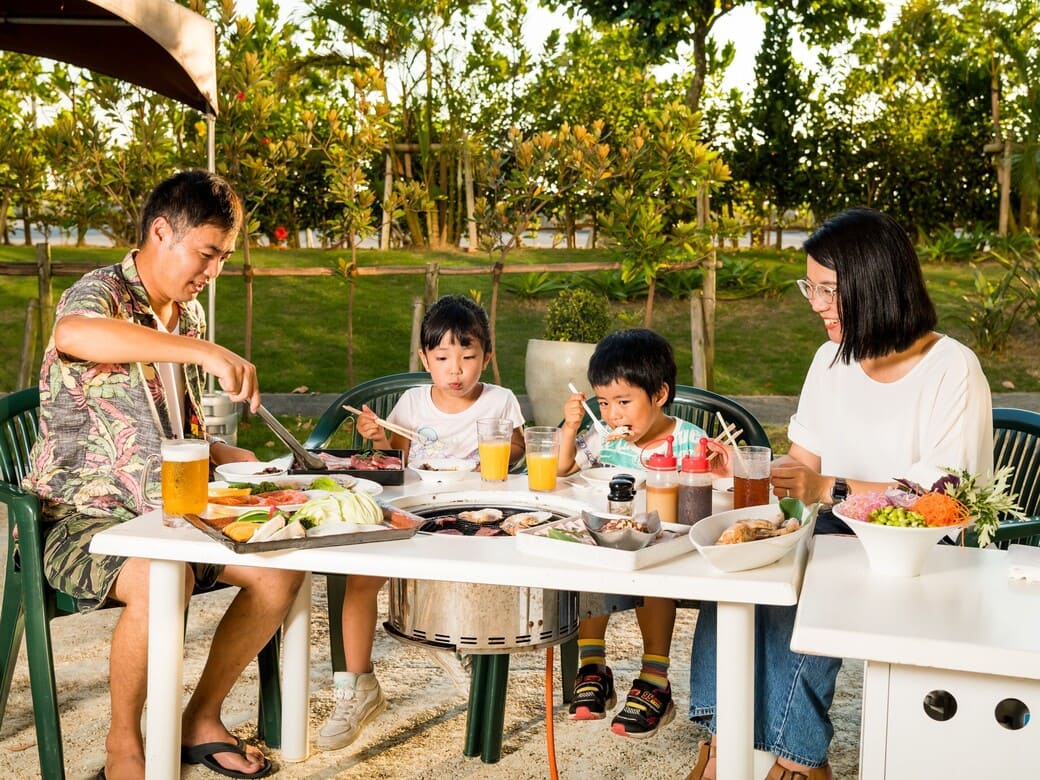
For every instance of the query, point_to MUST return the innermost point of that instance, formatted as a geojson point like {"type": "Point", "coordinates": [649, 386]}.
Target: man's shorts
{"type": "Point", "coordinates": [69, 566]}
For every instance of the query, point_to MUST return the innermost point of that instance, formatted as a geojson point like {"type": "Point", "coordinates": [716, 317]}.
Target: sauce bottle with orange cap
{"type": "Point", "coordinates": [662, 483]}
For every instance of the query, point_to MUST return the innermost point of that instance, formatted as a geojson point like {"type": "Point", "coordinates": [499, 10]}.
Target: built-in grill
{"type": "Point", "coordinates": [475, 618]}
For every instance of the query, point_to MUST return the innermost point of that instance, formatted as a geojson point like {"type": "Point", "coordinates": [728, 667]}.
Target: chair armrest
{"type": "Point", "coordinates": [1009, 531]}
{"type": "Point", "coordinates": [23, 518]}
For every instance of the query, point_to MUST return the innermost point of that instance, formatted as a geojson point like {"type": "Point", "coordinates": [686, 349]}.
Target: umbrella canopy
{"type": "Point", "coordinates": [155, 44]}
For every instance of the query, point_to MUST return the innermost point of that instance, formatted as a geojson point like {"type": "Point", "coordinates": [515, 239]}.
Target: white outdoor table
{"type": "Point", "coordinates": [960, 627]}
{"type": "Point", "coordinates": [428, 556]}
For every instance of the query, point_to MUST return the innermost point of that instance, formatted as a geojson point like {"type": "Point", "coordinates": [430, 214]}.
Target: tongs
{"type": "Point", "coordinates": [306, 458]}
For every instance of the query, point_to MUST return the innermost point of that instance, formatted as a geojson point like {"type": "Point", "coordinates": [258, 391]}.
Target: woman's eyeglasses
{"type": "Point", "coordinates": [810, 290]}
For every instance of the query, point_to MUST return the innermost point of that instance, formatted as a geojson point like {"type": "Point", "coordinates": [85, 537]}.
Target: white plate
{"type": "Point", "coordinates": [601, 475]}
{"type": "Point", "coordinates": [301, 481]}
{"type": "Point", "coordinates": [249, 470]}
{"type": "Point", "coordinates": [444, 469]}
{"type": "Point", "coordinates": [746, 555]}
{"type": "Point", "coordinates": [224, 510]}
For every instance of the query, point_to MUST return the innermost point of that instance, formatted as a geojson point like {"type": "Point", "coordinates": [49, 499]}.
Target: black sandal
{"type": "Point", "coordinates": [203, 754]}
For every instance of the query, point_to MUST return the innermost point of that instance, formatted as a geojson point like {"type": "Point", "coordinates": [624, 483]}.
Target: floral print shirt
{"type": "Point", "coordinates": [99, 422]}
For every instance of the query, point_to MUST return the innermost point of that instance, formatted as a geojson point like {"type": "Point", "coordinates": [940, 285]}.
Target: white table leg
{"type": "Point", "coordinates": [296, 675]}
{"type": "Point", "coordinates": [165, 669]}
{"type": "Point", "coordinates": [735, 691]}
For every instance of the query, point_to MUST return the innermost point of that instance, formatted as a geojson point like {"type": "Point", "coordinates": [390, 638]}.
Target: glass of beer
{"type": "Point", "coordinates": [184, 469]}
{"type": "Point", "coordinates": [751, 476]}
{"type": "Point", "coordinates": [543, 456]}
{"type": "Point", "coordinates": [494, 438]}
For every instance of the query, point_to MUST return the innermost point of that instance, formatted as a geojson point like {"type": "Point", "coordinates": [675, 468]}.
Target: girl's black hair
{"type": "Point", "coordinates": [883, 302]}
{"type": "Point", "coordinates": [191, 199]}
{"type": "Point", "coordinates": [462, 317]}
{"type": "Point", "coordinates": [637, 356]}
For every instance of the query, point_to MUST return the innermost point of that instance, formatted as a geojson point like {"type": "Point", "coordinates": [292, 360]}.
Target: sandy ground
{"type": "Point", "coordinates": [420, 735]}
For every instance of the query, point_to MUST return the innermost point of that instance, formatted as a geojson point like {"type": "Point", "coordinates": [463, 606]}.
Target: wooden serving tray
{"type": "Point", "coordinates": [384, 533]}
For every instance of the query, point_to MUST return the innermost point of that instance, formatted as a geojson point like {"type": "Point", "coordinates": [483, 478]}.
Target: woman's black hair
{"type": "Point", "coordinates": [193, 198]}
{"type": "Point", "coordinates": [884, 304]}
{"type": "Point", "coordinates": [462, 317]}
{"type": "Point", "coordinates": [637, 356]}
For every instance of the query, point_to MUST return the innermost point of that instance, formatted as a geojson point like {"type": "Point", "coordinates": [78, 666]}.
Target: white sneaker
{"type": "Point", "coordinates": [359, 699]}
{"type": "Point", "coordinates": [456, 665]}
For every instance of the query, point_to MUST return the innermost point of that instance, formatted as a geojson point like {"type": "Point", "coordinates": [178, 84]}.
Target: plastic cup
{"type": "Point", "coordinates": [184, 478]}
{"type": "Point", "coordinates": [751, 476]}
{"type": "Point", "coordinates": [494, 438]}
{"type": "Point", "coordinates": [543, 457]}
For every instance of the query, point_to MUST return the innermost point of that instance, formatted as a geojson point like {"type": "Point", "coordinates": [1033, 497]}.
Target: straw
{"type": "Point", "coordinates": [595, 420]}
{"type": "Point", "coordinates": [408, 434]}
{"type": "Point", "coordinates": [732, 440]}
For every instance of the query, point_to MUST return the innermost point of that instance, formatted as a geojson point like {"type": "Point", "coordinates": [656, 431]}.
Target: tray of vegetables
{"type": "Point", "coordinates": [334, 519]}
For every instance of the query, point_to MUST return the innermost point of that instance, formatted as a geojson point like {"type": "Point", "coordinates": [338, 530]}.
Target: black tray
{"type": "Point", "coordinates": [385, 534]}
{"type": "Point", "coordinates": [382, 476]}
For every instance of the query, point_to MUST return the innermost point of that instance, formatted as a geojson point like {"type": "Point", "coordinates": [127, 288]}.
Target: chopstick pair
{"type": "Point", "coordinates": [729, 433]}
{"type": "Point", "coordinates": [408, 434]}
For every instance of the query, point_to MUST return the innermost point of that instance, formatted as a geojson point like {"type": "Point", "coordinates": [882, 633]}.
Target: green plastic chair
{"type": "Point", "coordinates": [379, 394]}
{"type": "Point", "coordinates": [30, 603]}
{"type": "Point", "coordinates": [1016, 442]}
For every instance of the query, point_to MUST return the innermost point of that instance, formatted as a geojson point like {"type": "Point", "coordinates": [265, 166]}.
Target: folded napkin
{"type": "Point", "coordinates": [1024, 562]}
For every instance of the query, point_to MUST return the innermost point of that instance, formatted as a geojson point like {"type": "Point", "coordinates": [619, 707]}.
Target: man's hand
{"type": "Point", "coordinates": [236, 375]}
{"type": "Point", "coordinates": [221, 453]}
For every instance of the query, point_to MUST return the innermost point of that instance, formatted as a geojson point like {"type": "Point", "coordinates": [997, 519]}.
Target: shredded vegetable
{"type": "Point", "coordinates": [939, 509]}
{"type": "Point", "coordinates": [858, 506]}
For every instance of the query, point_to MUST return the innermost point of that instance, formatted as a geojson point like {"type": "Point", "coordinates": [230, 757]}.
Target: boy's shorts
{"type": "Point", "coordinates": [69, 566]}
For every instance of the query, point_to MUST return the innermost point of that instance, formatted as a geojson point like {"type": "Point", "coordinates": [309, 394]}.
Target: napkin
{"type": "Point", "coordinates": [1024, 563]}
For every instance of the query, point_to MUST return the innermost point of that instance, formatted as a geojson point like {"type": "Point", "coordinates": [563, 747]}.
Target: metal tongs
{"type": "Point", "coordinates": [306, 458]}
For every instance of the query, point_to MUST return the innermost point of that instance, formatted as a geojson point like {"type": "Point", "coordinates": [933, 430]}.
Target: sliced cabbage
{"type": "Point", "coordinates": [345, 507]}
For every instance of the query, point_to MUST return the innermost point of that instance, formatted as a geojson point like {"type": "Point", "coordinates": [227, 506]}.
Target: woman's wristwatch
{"type": "Point", "coordinates": [840, 491]}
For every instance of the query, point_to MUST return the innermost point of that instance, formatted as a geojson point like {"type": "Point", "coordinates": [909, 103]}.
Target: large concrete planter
{"type": "Point", "coordinates": [548, 367]}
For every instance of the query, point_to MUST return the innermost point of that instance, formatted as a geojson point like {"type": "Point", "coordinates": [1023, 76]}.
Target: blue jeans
{"type": "Point", "coordinates": [793, 692]}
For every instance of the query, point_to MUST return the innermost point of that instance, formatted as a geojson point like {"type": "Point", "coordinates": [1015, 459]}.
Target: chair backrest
{"type": "Point", "coordinates": [19, 425]}
{"type": "Point", "coordinates": [379, 394]}
{"type": "Point", "coordinates": [700, 406]}
{"type": "Point", "coordinates": [1016, 442]}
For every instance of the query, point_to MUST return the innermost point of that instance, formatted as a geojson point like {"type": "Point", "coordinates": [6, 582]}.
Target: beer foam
{"type": "Point", "coordinates": [184, 450]}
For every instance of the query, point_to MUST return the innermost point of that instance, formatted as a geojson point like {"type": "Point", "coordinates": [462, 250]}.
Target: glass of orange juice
{"type": "Point", "coordinates": [543, 456]}
{"type": "Point", "coordinates": [494, 437]}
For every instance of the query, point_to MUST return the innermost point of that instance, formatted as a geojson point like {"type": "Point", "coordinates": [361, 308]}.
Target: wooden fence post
{"type": "Point", "coordinates": [46, 293]}
{"type": "Point", "coordinates": [418, 312]}
{"type": "Point", "coordinates": [28, 360]}
{"type": "Point", "coordinates": [496, 279]}
{"type": "Point", "coordinates": [432, 282]}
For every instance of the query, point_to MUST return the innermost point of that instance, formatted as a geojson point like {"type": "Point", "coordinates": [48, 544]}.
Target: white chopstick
{"type": "Point", "coordinates": [732, 439]}
{"type": "Point", "coordinates": [408, 434]}
{"type": "Point", "coordinates": [603, 430]}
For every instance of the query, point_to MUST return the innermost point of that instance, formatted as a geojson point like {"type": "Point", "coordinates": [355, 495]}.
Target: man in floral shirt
{"type": "Point", "coordinates": [124, 370]}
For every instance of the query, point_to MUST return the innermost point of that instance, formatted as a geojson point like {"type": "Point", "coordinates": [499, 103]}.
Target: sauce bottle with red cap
{"type": "Point", "coordinates": [695, 486]}
{"type": "Point", "coordinates": [662, 483]}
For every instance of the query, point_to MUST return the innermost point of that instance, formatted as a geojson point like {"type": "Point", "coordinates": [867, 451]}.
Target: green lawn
{"type": "Point", "coordinates": [763, 346]}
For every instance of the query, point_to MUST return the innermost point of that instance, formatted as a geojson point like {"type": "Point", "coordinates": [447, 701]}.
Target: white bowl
{"type": "Point", "coordinates": [250, 471]}
{"type": "Point", "coordinates": [601, 475]}
{"type": "Point", "coordinates": [444, 469]}
{"type": "Point", "coordinates": [895, 550]}
{"type": "Point", "coordinates": [745, 555]}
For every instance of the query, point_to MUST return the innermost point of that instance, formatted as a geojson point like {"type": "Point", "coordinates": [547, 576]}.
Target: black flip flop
{"type": "Point", "coordinates": [203, 754]}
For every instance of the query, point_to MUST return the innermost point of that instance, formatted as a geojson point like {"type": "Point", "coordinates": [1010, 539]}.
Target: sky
{"type": "Point", "coordinates": [741, 25]}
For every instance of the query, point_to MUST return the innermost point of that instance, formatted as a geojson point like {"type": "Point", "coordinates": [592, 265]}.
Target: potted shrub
{"type": "Point", "coordinates": [574, 321]}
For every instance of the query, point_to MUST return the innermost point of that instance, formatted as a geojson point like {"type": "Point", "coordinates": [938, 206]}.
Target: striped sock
{"type": "Point", "coordinates": [655, 670]}
{"type": "Point", "coordinates": [592, 651]}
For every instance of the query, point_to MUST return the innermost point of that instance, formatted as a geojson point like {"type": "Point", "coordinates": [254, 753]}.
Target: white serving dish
{"type": "Point", "coordinates": [535, 542]}
{"type": "Point", "coordinates": [301, 481]}
{"type": "Point", "coordinates": [894, 550]}
{"type": "Point", "coordinates": [745, 555]}
{"type": "Point", "coordinates": [444, 470]}
{"type": "Point", "coordinates": [601, 475]}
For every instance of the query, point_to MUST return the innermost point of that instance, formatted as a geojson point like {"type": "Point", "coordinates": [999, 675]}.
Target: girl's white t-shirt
{"type": "Point", "coordinates": [445, 435]}
{"type": "Point", "coordinates": [937, 416]}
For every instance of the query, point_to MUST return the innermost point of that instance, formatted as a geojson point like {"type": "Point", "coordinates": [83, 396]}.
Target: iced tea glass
{"type": "Point", "coordinates": [751, 476]}
{"type": "Point", "coordinates": [494, 438]}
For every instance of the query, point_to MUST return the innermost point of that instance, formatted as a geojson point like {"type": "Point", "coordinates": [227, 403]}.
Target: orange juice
{"type": "Point", "coordinates": [541, 471]}
{"type": "Point", "coordinates": [494, 460]}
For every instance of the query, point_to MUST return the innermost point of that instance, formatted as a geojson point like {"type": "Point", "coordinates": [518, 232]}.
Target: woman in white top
{"type": "Point", "coordinates": [886, 397]}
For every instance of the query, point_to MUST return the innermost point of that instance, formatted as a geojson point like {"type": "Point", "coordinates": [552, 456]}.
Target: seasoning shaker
{"type": "Point", "coordinates": [622, 496]}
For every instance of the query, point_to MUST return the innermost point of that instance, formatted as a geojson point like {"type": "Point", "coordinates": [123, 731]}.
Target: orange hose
{"type": "Point", "coordinates": [550, 738]}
